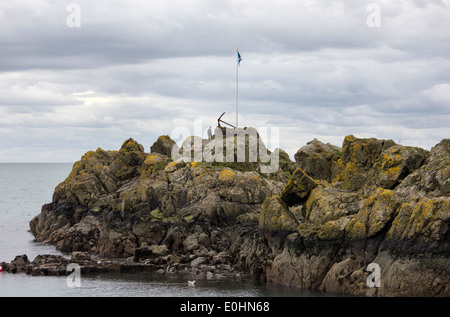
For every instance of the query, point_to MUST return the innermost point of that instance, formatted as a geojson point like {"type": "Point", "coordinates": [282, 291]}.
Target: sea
{"type": "Point", "coordinates": [25, 187]}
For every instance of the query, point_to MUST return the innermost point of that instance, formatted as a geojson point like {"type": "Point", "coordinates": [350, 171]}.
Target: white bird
{"type": "Point", "coordinates": [191, 283]}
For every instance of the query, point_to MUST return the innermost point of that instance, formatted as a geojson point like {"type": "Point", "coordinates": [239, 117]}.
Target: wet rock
{"type": "Point", "coordinates": [198, 261]}
{"type": "Point", "coordinates": [79, 256]}
{"type": "Point", "coordinates": [159, 250]}
{"type": "Point", "coordinates": [18, 265]}
{"type": "Point", "coordinates": [221, 258]}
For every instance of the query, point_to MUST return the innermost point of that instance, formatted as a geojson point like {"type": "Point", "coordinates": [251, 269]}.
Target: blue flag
{"type": "Point", "coordinates": [239, 58]}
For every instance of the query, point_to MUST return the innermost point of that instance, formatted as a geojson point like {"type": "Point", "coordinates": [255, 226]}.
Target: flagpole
{"type": "Point", "coordinates": [237, 85]}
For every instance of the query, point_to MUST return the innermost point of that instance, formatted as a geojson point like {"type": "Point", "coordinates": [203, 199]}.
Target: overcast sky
{"type": "Point", "coordinates": [314, 69]}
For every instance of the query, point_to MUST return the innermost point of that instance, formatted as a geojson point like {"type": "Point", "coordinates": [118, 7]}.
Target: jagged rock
{"type": "Point", "coordinates": [319, 160]}
{"type": "Point", "coordinates": [100, 173]}
{"type": "Point", "coordinates": [18, 265]}
{"type": "Point", "coordinates": [163, 146]}
{"type": "Point", "coordinates": [113, 201]}
{"type": "Point", "coordinates": [395, 163]}
{"type": "Point", "coordinates": [433, 177]}
{"type": "Point", "coordinates": [80, 256]}
{"type": "Point", "coordinates": [285, 162]}
{"type": "Point", "coordinates": [221, 258]}
{"type": "Point", "coordinates": [276, 216]}
{"type": "Point", "coordinates": [377, 211]}
{"type": "Point", "coordinates": [421, 226]}
{"type": "Point", "coordinates": [382, 163]}
{"type": "Point", "coordinates": [82, 236]}
{"type": "Point", "coordinates": [142, 252]}
{"type": "Point", "coordinates": [376, 202]}
{"type": "Point", "coordinates": [145, 251]}
{"type": "Point", "coordinates": [413, 276]}
{"type": "Point", "coordinates": [327, 203]}
{"type": "Point", "coordinates": [348, 274]}
{"type": "Point", "coordinates": [159, 250]}
{"type": "Point", "coordinates": [198, 261]}
{"type": "Point", "coordinates": [387, 204]}
{"type": "Point", "coordinates": [298, 188]}
{"type": "Point", "coordinates": [53, 217]}
{"type": "Point", "coordinates": [196, 241]}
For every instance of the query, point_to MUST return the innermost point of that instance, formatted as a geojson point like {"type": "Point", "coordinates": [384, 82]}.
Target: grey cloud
{"type": "Point", "coordinates": [313, 68]}
{"type": "Point", "coordinates": [114, 33]}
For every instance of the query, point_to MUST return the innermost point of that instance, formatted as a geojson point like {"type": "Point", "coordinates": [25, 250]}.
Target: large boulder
{"type": "Point", "coordinates": [276, 217]}
{"type": "Point", "coordinates": [319, 160]}
{"type": "Point", "coordinates": [163, 145]}
{"type": "Point", "coordinates": [298, 188]}
{"type": "Point", "coordinates": [100, 173]}
{"type": "Point", "coordinates": [433, 177]}
{"type": "Point", "coordinates": [377, 211]}
{"type": "Point", "coordinates": [373, 162]}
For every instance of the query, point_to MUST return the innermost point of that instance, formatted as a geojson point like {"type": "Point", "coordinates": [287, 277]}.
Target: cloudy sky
{"type": "Point", "coordinates": [75, 76]}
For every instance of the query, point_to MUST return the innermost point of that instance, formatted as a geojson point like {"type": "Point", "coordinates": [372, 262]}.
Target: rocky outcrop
{"type": "Point", "coordinates": [163, 146]}
{"type": "Point", "coordinates": [382, 163]}
{"type": "Point", "coordinates": [149, 208]}
{"type": "Point", "coordinates": [316, 223]}
{"type": "Point", "coordinates": [387, 205]}
{"type": "Point", "coordinates": [319, 160]}
{"type": "Point", "coordinates": [56, 265]}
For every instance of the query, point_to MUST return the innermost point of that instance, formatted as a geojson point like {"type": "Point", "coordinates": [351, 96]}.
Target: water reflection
{"type": "Point", "coordinates": [146, 284]}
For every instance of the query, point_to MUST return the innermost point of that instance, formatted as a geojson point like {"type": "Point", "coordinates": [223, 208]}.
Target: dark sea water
{"type": "Point", "coordinates": [24, 188]}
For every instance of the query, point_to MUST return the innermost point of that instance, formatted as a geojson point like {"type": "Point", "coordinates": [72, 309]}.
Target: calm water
{"type": "Point", "coordinates": [24, 188]}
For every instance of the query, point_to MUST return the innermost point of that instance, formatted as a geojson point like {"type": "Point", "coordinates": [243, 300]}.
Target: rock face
{"type": "Point", "coordinates": [56, 265]}
{"type": "Point", "coordinates": [163, 145]}
{"type": "Point", "coordinates": [126, 203]}
{"type": "Point", "coordinates": [319, 160]}
{"type": "Point", "coordinates": [388, 205]}
{"type": "Point", "coordinates": [316, 223]}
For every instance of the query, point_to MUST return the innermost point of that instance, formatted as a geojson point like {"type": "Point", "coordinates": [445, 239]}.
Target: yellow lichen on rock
{"type": "Point", "coordinates": [425, 213]}
{"type": "Point", "coordinates": [131, 145]}
{"type": "Point", "coordinates": [390, 165]}
{"type": "Point", "coordinates": [349, 175]}
{"type": "Point", "coordinates": [334, 229]}
{"type": "Point", "coordinates": [425, 218]}
{"type": "Point", "coordinates": [349, 138]}
{"type": "Point", "coordinates": [226, 175]}
{"type": "Point", "coordinates": [298, 187]}
{"type": "Point", "coordinates": [313, 199]}
{"type": "Point", "coordinates": [356, 229]}
{"type": "Point", "coordinates": [377, 211]}
{"type": "Point", "coordinates": [193, 164]}
{"type": "Point", "coordinates": [152, 159]}
{"type": "Point", "coordinates": [275, 215]}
